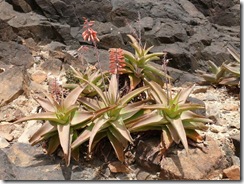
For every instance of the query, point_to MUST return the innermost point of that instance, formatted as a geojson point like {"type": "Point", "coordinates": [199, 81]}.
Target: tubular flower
{"type": "Point", "coordinates": [89, 34]}
{"type": "Point", "coordinates": [117, 61]}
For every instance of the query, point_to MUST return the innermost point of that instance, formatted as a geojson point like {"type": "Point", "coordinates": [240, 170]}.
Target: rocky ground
{"type": "Point", "coordinates": [222, 143]}
{"type": "Point", "coordinates": [39, 41]}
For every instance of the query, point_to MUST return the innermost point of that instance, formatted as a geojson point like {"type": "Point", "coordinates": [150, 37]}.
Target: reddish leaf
{"type": "Point", "coordinates": [64, 138]}
{"type": "Point", "coordinates": [47, 127]}
{"type": "Point", "coordinates": [118, 147]}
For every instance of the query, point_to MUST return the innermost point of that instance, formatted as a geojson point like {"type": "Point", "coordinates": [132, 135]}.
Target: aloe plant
{"type": "Point", "coordinates": [172, 115]}
{"type": "Point", "coordinates": [61, 116]}
{"type": "Point", "coordinates": [216, 75]}
{"type": "Point", "coordinates": [92, 74]}
{"type": "Point", "coordinates": [232, 69]}
{"type": "Point", "coordinates": [138, 66]}
{"type": "Point", "coordinates": [226, 74]}
{"type": "Point", "coordinates": [109, 113]}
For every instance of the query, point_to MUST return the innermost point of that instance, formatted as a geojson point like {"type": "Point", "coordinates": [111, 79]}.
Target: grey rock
{"type": "Point", "coordinates": [12, 53]}
{"type": "Point", "coordinates": [197, 101]}
{"type": "Point", "coordinates": [177, 53]}
{"type": "Point", "coordinates": [53, 66]}
{"type": "Point", "coordinates": [147, 23]}
{"type": "Point", "coordinates": [6, 31]}
{"type": "Point", "coordinates": [236, 141]}
{"type": "Point", "coordinates": [71, 12]}
{"type": "Point", "coordinates": [171, 32]}
{"type": "Point", "coordinates": [33, 25]}
{"type": "Point", "coordinates": [6, 170]}
{"type": "Point", "coordinates": [217, 12]}
{"type": "Point", "coordinates": [29, 163]}
{"type": "Point", "coordinates": [192, 32]}
{"type": "Point", "coordinates": [54, 46]}
{"type": "Point", "coordinates": [180, 77]}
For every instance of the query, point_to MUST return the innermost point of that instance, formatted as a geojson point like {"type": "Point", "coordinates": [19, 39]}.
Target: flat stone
{"type": "Point", "coordinates": [10, 114]}
{"type": "Point", "coordinates": [194, 166]}
{"type": "Point", "coordinates": [12, 53]}
{"type": "Point", "coordinates": [233, 172]}
{"type": "Point", "coordinates": [39, 76]}
{"type": "Point", "coordinates": [13, 83]}
{"type": "Point", "coordinates": [6, 136]}
{"type": "Point", "coordinates": [142, 175]}
{"type": "Point", "coordinates": [52, 66]}
{"type": "Point", "coordinates": [6, 170]}
{"type": "Point", "coordinates": [30, 129]}
{"type": "Point", "coordinates": [23, 155]}
{"type": "Point", "coordinates": [3, 142]}
{"type": "Point", "coordinates": [7, 127]}
{"type": "Point", "coordinates": [54, 46]}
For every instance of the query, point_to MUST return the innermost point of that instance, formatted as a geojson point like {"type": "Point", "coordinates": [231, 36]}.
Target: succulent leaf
{"type": "Point", "coordinates": [118, 147]}
{"type": "Point", "coordinates": [64, 137]}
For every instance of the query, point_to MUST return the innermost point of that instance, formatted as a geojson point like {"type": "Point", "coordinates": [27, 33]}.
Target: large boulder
{"type": "Point", "coordinates": [225, 13]}
{"type": "Point", "coordinates": [36, 26]}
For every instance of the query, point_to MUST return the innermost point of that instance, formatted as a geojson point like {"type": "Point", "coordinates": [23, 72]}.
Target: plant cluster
{"type": "Point", "coordinates": [227, 74]}
{"type": "Point", "coordinates": [95, 108]}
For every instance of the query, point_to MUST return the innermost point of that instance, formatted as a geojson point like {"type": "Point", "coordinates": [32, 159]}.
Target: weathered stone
{"type": "Point", "coordinates": [32, 25]}
{"type": "Point", "coordinates": [147, 23]}
{"type": "Point", "coordinates": [215, 52]}
{"type": "Point", "coordinates": [12, 53]}
{"type": "Point", "coordinates": [170, 32]}
{"type": "Point", "coordinates": [194, 166]}
{"type": "Point", "coordinates": [23, 155]}
{"type": "Point", "coordinates": [7, 127]}
{"type": "Point", "coordinates": [199, 102]}
{"type": "Point", "coordinates": [147, 155]}
{"type": "Point", "coordinates": [3, 142]}
{"type": "Point", "coordinates": [39, 76]}
{"type": "Point", "coordinates": [236, 141]}
{"type": "Point", "coordinates": [90, 57]}
{"type": "Point", "coordinates": [21, 5]}
{"type": "Point", "coordinates": [52, 66]}
{"type": "Point", "coordinates": [236, 160]}
{"type": "Point", "coordinates": [29, 163]}
{"type": "Point", "coordinates": [6, 32]}
{"type": "Point", "coordinates": [177, 53]}
{"type": "Point", "coordinates": [142, 175]}
{"type": "Point", "coordinates": [54, 46]}
{"type": "Point", "coordinates": [180, 77]}
{"type": "Point", "coordinates": [200, 89]}
{"type": "Point", "coordinates": [233, 172]}
{"type": "Point", "coordinates": [6, 170]}
{"type": "Point", "coordinates": [224, 13]}
{"type": "Point", "coordinates": [71, 13]}
{"type": "Point", "coordinates": [37, 88]}
{"type": "Point", "coordinates": [6, 136]}
{"type": "Point", "coordinates": [29, 130]}
{"type": "Point", "coordinates": [13, 83]}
